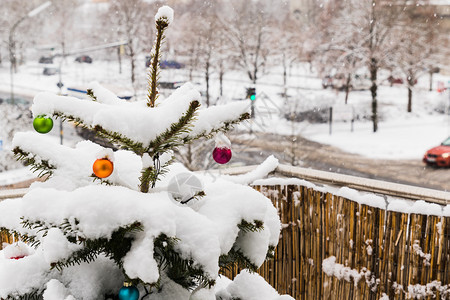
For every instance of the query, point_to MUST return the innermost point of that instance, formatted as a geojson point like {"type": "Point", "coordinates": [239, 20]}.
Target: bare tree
{"type": "Point", "coordinates": [246, 24]}
{"type": "Point", "coordinates": [130, 21]}
{"type": "Point", "coordinates": [370, 24]}
{"type": "Point", "coordinates": [60, 29]}
{"type": "Point", "coordinates": [287, 37]}
{"type": "Point", "coordinates": [19, 30]}
{"type": "Point", "coordinates": [339, 53]}
{"type": "Point", "coordinates": [416, 47]}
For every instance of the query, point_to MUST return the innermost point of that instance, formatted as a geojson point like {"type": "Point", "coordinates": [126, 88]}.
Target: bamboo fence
{"type": "Point", "coordinates": [391, 254]}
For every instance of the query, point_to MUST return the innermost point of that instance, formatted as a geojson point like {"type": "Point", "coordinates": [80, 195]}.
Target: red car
{"type": "Point", "coordinates": [438, 156]}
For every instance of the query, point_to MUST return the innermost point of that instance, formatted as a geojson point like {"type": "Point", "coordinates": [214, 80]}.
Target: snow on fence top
{"type": "Point", "coordinates": [438, 201]}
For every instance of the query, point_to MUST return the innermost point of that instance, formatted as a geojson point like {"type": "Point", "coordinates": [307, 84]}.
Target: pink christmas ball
{"type": "Point", "coordinates": [222, 155]}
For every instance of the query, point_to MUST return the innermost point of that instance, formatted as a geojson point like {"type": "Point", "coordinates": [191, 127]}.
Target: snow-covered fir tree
{"type": "Point", "coordinates": [110, 225]}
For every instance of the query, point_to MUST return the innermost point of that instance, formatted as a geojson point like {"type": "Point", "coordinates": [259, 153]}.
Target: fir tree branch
{"type": "Point", "coordinates": [113, 137]}
{"type": "Point", "coordinates": [78, 121]}
{"type": "Point", "coordinates": [150, 175]}
{"type": "Point", "coordinates": [91, 94]}
{"type": "Point", "coordinates": [170, 138]}
{"type": "Point", "coordinates": [118, 139]}
{"type": "Point", "coordinates": [227, 126]}
{"type": "Point", "coordinates": [69, 229]}
{"type": "Point", "coordinates": [166, 141]}
{"type": "Point", "coordinates": [115, 247]}
{"type": "Point", "coordinates": [27, 239]}
{"type": "Point", "coordinates": [235, 256]}
{"type": "Point", "coordinates": [271, 252]}
{"type": "Point", "coordinates": [34, 295]}
{"type": "Point", "coordinates": [147, 175]}
{"type": "Point", "coordinates": [182, 271]}
{"type": "Point", "coordinates": [197, 195]}
{"type": "Point", "coordinates": [37, 165]}
{"type": "Point", "coordinates": [161, 25]}
{"type": "Point", "coordinates": [102, 180]}
{"type": "Point", "coordinates": [251, 227]}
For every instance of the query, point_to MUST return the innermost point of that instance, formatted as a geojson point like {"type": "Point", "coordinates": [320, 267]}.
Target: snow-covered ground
{"type": "Point", "coordinates": [401, 135]}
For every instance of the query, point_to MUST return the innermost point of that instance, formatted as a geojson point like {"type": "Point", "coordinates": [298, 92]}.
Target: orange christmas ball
{"type": "Point", "coordinates": [103, 167]}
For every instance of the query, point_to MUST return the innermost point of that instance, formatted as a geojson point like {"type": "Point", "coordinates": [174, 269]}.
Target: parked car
{"type": "Point", "coordinates": [17, 101]}
{"type": "Point", "coordinates": [438, 156]}
{"type": "Point", "coordinates": [327, 82]}
{"type": "Point", "coordinates": [84, 59]}
{"type": "Point", "coordinates": [46, 60]}
{"type": "Point", "coordinates": [170, 85]}
{"type": "Point", "coordinates": [339, 82]}
{"type": "Point", "coordinates": [396, 80]}
{"type": "Point", "coordinates": [171, 64]}
{"type": "Point", "coordinates": [50, 71]}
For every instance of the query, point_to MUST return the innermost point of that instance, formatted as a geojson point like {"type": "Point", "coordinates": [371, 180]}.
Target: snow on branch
{"type": "Point", "coordinates": [261, 171]}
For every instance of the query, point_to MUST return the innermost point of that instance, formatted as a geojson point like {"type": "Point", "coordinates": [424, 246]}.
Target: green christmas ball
{"type": "Point", "coordinates": [42, 124]}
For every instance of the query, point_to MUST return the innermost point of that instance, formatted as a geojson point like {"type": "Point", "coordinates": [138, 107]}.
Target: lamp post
{"type": "Point", "coordinates": [12, 43]}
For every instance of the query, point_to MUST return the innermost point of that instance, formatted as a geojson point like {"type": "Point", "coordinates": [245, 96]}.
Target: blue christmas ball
{"type": "Point", "coordinates": [129, 293]}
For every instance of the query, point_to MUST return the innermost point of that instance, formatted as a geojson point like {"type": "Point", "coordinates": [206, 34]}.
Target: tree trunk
{"type": "Point", "coordinates": [284, 76]}
{"type": "Point", "coordinates": [431, 81]}
{"type": "Point", "coordinates": [221, 82]}
{"type": "Point", "coordinates": [189, 156]}
{"type": "Point", "coordinates": [207, 82]}
{"type": "Point", "coordinates": [409, 99]}
{"type": "Point", "coordinates": [347, 87]}
{"type": "Point", "coordinates": [133, 65]}
{"type": "Point", "coordinates": [120, 59]}
{"type": "Point", "coordinates": [373, 91]}
{"type": "Point", "coordinates": [411, 82]}
{"type": "Point", "coordinates": [12, 55]}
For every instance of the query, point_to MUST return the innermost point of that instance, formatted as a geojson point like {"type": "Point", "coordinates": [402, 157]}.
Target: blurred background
{"type": "Point", "coordinates": [355, 87]}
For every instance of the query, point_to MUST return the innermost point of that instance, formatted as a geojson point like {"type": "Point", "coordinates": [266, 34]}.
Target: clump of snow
{"type": "Point", "coordinates": [261, 171]}
{"type": "Point", "coordinates": [105, 153]}
{"type": "Point", "coordinates": [369, 248]}
{"type": "Point", "coordinates": [362, 198]}
{"type": "Point", "coordinates": [214, 116]}
{"type": "Point", "coordinates": [331, 268]}
{"type": "Point", "coordinates": [246, 243]}
{"type": "Point", "coordinates": [56, 291]}
{"type": "Point", "coordinates": [203, 294]}
{"type": "Point", "coordinates": [418, 291]}
{"type": "Point", "coordinates": [104, 95]}
{"type": "Point", "coordinates": [418, 250]}
{"type": "Point", "coordinates": [250, 286]}
{"type": "Point", "coordinates": [384, 297]}
{"type": "Point", "coordinates": [55, 246]}
{"type": "Point", "coordinates": [417, 207]}
{"type": "Point", "coordinates": [165, 12]}
{"type": "Point", "coordinates": [286, 181]}
{"type": "Point", "coordinates": [17, 249]}
{"type": "Point", "coordinates": [138, 264]}
{"type": "Point", "coordinates": [446, 211]}
{"type": "Point", "coordinates": [424, 208]}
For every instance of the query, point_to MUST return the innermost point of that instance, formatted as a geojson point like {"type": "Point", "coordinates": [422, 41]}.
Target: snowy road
{"type": "Point", "coordinates": [309, 154]}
